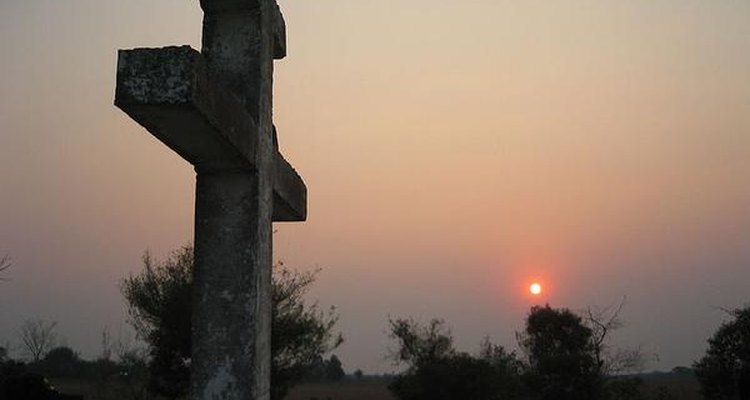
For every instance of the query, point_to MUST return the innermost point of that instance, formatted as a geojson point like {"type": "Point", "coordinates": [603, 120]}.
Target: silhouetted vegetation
{"type": "Point", "coordinates": [602, 322]}
{"type": "Point", "coordinates": [323, 370]}
{"type": "Point", "coordinates": [724, 371]}
{"type": "Point", "coordinates": [38, 337]}
{"type": "Point", "coordinates": [158, 301]}
{"type": "Point", "coordinates": [61, 362]}
{"type": "Point", "coordinates": [435, 370]}
{"type": "Point", "coordinates": [561, 355]}
{"type": "Point", "coordinates": [566, 357]}
{"type": "Point", "coordinates": [4, 265]}
{"type": "Point", "coordinates": [300, 333]}
{"type": "Point", "coordinates": [17, 382]}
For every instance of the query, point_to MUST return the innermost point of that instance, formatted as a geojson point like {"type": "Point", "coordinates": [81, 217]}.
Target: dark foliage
{"type": "Point", "coordinates": [38, 337]}
{"type": "Point", "coordinates": [334, 370]}
{"type": "Point", "coordinates": [562, 363]}
{"type": "Point", "coordinates": [17, 383]}
{"type": "Point", "coordinates": [437, 372]}
{"type": "Point", "coordinates": [4, 265]}
{"type": "Point", "coordinates": [323, 370]}
{"type": "Point", "coordinates": [724, 371]}
{"type": "Point", "coordinates": [159, 305]}
{"type": "Point", "coordinates": [603, 322]}
{"type": "Point", "coordinates": [301, 333]}
{"type": "Point", "coordinates": [624, 388]}
{"type": "Point", "coordinates": [418, 345]}
{"type": "Point", "coordinates": [567, 358]}
{"type": "Point", "coordinates": [60, 362]}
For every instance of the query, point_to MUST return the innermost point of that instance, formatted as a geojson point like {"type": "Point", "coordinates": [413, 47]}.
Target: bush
{"type": "Point", "coordinates": [437, 372]}
{"type": "Point", "coordinates": [562, 362]}
{"type": "Point", "coordinates": [724, 372]}
{"type": "Point", "coordinates": [159, 303]}
{"type": "Point", "coordinates": [60, 362]}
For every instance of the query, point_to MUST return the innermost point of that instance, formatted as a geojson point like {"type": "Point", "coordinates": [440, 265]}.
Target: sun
{"type": "Point", "coordinates": [535, 289]}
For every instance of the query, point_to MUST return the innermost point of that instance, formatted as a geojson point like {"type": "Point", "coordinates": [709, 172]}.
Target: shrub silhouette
{"type": "Point", "coordinates": [436, 371]}
{"type": "Point", "coordinates": [159, 299]}
{"type": "Point", "coordinates": [724, 371]}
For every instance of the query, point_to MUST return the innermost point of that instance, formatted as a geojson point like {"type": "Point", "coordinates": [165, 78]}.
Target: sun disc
{"type": "Point", "coordinates": [535, 289]}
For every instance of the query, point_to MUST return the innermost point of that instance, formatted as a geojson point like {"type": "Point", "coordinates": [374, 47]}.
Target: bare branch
{"type": "Point", "coordinates": [5, 263]}
{"type": "Point", "coordinates": [38, 338]}
{"type": "Point", "coordinates": [602, 322]}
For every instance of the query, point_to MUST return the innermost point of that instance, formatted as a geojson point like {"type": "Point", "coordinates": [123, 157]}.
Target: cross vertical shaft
{"type": "Point", "coordinates": [233, 241]}
{"type": "Point", "coordinates": [231, 300]}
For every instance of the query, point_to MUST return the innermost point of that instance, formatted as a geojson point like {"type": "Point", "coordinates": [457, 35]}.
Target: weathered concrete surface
{"type": "Point", "coordinates": [240, 6]}
{"type": "Point", "coordinates": [171, 93]}
{"type": "Point", "coordinates": [231, 299]}
{"type": "Point", "coordinates": [215, 110]}
{"type": "Point", "coordinates": [289, 193]}
{"type": "Point", "coordinates": [232, 337]}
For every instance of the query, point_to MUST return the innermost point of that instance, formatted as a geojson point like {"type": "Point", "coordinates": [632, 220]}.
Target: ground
{"type": "Point", "coordinates": [674, 386]}
{"type": "Point", "coordinates": [350, 390]}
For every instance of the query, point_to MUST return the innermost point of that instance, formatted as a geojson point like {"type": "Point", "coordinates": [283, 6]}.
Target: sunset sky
{"type": "Point", "coordinates": [454, 151]}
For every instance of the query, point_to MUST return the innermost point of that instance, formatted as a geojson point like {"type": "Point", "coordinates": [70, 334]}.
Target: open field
{"type": "Point", "coordinates": [99, 390]}
{"type": "Point", "coordinates": [678, 387]}
{"type": "Point", "coordinates": [350, 390]}
{"type": "Point", "coordinates": [658, 386]}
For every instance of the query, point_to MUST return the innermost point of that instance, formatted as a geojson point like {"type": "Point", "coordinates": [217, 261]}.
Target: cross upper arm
{"type": "Point", "coordinates": [235, 6]}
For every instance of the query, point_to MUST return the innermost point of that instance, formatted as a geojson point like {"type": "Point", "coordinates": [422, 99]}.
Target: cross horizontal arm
{"type": "Point", "coordinates": [171, 93]}
{"type": "Point", "coordinates": [289, 193]}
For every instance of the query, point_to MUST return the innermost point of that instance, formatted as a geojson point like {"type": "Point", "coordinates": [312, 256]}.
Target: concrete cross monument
{"type": "Point", "coordinates": [214, 109]}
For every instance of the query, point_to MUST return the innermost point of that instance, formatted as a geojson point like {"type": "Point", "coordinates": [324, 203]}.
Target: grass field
{"type": "Point", "coordinates": [349, 390]}
{"type": "Point", "coordinates": [657, 386]}
{"type": "Point", "coordinates": [677, 387]}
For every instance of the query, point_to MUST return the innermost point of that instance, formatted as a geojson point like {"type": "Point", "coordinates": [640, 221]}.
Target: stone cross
{"type": "Point", "coordinates": [214, 109]}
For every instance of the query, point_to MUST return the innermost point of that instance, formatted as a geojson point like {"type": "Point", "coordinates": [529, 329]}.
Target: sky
{"type": "Point", "coordinates": [454, 152]}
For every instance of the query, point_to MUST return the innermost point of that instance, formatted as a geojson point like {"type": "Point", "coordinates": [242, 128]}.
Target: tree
{"type": "Point", "coordinates": [60, 362]}
{"type": "Point", "coordinates": [300, 333]}
{"type": "Point", "coordinates": [158, 300]}
{"type": "Point", "coordinates": [724, 371]}
{"type": "Point", "coordinates": [323, 370]}
{"type": "Point", "coordinates": [436, 371]}
{"type": "Point", "coordinates": [159, 306]}
{"type": "Point", "coordinates": [134, 373]}
{"type": "Point", "coordinates": [602, 322]}
{"type": "Point", "coordinates": [5, 263]}
{"type": "Point", "coordinates": [38, 337]}
{"type": "Point", "coordinates": [18, 383]}
{"type": "Point", "coordinates": [419, 345]}
{"type": "Point", "coordinates": [334, 370]}
{"type": "Point", "coordinates": [561, 356]}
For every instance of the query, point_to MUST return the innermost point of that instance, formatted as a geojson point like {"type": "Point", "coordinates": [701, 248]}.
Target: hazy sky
{"type": "Point", "coordinates": [454, 151]}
